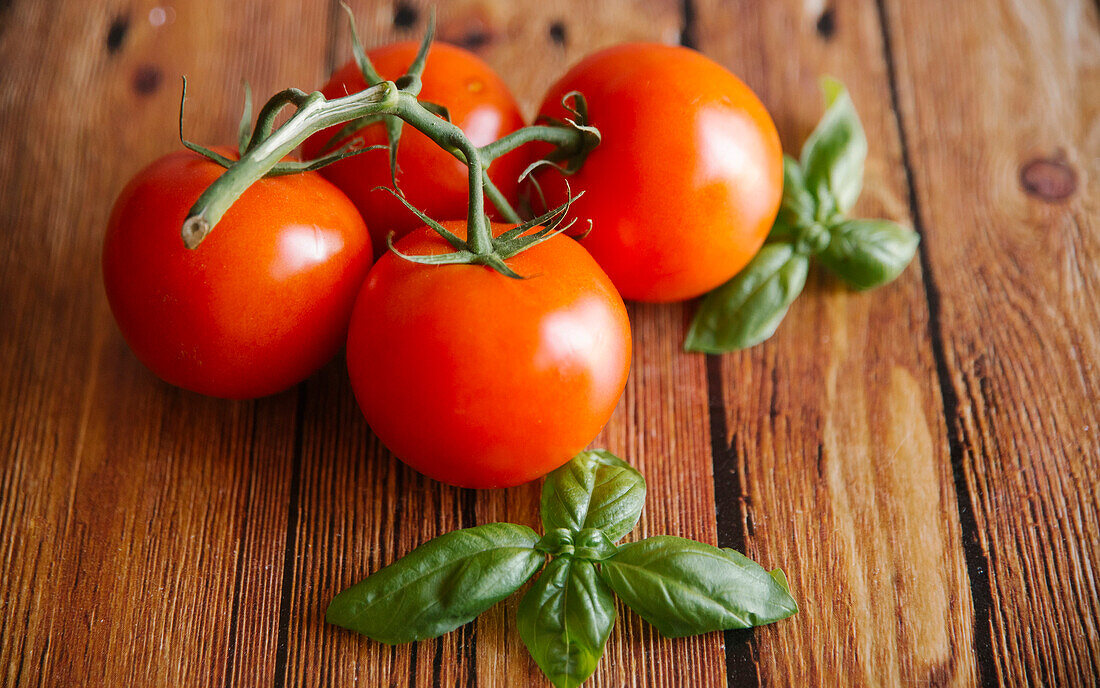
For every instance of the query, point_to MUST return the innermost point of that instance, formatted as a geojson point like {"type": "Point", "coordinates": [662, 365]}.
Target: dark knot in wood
{"type": "Point", "coordinates": [1048, 179]}
{"type": "Point", "coordinates": [405, 15]}
{"type": "Point", "coordinates": [826, 23]}
{"type": "Point", "coordinates": [116, 33]}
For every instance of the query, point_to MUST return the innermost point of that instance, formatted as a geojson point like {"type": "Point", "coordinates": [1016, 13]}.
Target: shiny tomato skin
{"type": "Point", "coordinates": [260, 305]}
{"type": "Point", "coordinates": [687, 179]}
{"type": "Point", "coordinates": [479, 102]}
{"type": "Point", "coordinates": [480, 380]}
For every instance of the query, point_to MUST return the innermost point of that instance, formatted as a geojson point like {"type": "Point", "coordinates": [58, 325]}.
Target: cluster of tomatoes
{"type": "Point", "coordinates": [470, 376]}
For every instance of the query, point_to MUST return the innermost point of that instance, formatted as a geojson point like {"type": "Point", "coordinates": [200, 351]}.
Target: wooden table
{"type": "Point", "coordinates": [922, 460]}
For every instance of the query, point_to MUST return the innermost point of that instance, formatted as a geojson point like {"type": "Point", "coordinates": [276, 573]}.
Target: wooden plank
{"type": "Point", "coordinates": [831, 457]}
{"type": "Point", "coordinates": [360, 508]}
{"type": "Point", "coordinates": [142, 526]}
{"type": "Point", "coordinates": [1000, 103]}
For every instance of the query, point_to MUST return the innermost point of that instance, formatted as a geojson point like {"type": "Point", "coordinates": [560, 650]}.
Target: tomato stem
{"type": "Point", "coordinates": [314, 112]}
{"type": "Point", "coordinates": [452, 138]}
{"type": "Point", "coordinates": [265, 121]}
{"type": "Point", "coordinates": [567, 139]}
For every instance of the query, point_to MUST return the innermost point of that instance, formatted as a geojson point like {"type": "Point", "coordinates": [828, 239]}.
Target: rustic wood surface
{"type": "Point", "coordinates": [922, 460]}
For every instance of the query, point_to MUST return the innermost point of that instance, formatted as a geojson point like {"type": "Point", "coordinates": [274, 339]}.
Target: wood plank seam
{"type": "Point", "coordinates": [740, 645]}
{"type": "Point", "coordinates": [291, 542]}
{"type": "Point", "coordinates": [977, 556]}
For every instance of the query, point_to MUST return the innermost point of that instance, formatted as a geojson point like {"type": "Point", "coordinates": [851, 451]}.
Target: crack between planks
{"type": "Point", "coordinates": [977, 561]}
{"type": "Point", "coordinates": [290, 546]}
{"type": "Point", "coordinates": [469, 520]}
{"type": "Point", "coordinates": [740, 645]}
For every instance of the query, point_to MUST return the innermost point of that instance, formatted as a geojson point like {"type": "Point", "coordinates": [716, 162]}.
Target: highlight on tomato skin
{"type": "Point", "coordinates": [481, 380]}
{"type": "Point", "coordinates": [688, 176]}
{"type": "Point", "coordinates": [261, 305]}
{"type": "Point", "coordinates": [478, 101]}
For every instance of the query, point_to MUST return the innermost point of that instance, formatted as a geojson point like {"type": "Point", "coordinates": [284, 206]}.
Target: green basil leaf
{"type": "Point", "coordinates": [684, 587]}
{"type": "Point", "coordinates": [781, 578]}
{"type": "Point", "coordinates": [565, 620]}
{"type": "Point", "coordinates": [798, 206]}
{"type": "Point", "coordinates": [776, 574]}
{"type": "Point", "coordinates": [869, 253]}
{"type": "Point", "coordinates": [747, 309]}
{"type": "Point", "coordinates": [594, 490]}
{"type": "Point", "coordinates": [833, 155]}
{"type": "Point", "coordinates": [440, 585]}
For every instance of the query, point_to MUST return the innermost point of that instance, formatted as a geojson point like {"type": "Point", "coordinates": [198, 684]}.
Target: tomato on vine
{"type": "Point", "coordinates": [475, 98]}
{"type": "Point", "coordinates": [688, 175]}
{"type": "Point", "coordinates": [481, 380]}
{"type": "Point", "coordinates": [261, 305]}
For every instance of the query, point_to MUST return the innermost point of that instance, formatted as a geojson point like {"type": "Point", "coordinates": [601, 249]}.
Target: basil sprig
{"type": "Point", "coordinates": [680, 586]}
{"type": "Point", "coordinates": [812, 223]}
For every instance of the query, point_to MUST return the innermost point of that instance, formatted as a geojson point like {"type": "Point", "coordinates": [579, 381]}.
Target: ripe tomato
{"type": "Point", "coordinates": [432, 180]}
{"type": "Point", "coordinates": [480, 380]}
{"type": "Point", "coordinates": [260, 305]}
{"type": "Point", "coordinates": [687, 179]}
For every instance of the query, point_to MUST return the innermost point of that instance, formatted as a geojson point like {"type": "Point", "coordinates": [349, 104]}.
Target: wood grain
{"type": "Point", "coordinates": [922, 461]}
{"type": "Point", "coordinates": [137, 547]}
{"type": "Point", "coordinates": [1009, 207]}
{"type": "Point", "coordinates": [835, 452]}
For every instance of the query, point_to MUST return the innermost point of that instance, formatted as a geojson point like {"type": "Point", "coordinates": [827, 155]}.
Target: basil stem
{"type": "Point", "coordinates": [680, 586]}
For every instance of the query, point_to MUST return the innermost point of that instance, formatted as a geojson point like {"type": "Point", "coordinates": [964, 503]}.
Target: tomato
{"type": "Point", "coordinates": [687, 179]}
{"type": "Point", "coordinates": [433, 180]}
{"type": "Point", "coordinates": [261, 304]}
{"type": "Point", "coordinates": [481, 380]}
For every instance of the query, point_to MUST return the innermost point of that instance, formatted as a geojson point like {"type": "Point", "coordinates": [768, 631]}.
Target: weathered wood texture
{"type": "Point", "coordinates": [920, 460]}
{"type": "Point", "coordinates": [1001, 107]}
{"type": "Point", "coordinates": [835, 459]}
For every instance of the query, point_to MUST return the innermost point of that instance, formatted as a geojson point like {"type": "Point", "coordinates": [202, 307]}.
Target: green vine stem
{"type": "Point", "coordinates": [565, 138]}
{"type": "Point", "coordinates": [315, 113]}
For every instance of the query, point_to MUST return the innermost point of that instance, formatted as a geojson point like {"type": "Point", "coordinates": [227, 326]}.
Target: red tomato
{"type": "Point", "coordinates": [432, 179]}
{"type": "Point", "coordinates": [687, 179]}
{"type": "Point", "coordinates": [261, 304]}
{"type": "Point", "coordinates": [480, 380]}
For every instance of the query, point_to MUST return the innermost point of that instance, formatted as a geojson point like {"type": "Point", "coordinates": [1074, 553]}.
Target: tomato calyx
{"type": "Point", "coordinates": [569, 158]}
{"type": "Point", "coordinates": [507, 244]}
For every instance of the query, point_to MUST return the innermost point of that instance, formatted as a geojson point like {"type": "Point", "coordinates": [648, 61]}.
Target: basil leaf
{"type": "Point", "coordinates": [781, 578]}
{"type": "Point", "coordinates": [440, 585]}
{"type": "Point", "coordinates": [833, 155]}
{"type": "Point", "coordinates": [684, 587]}
{"type": "Point", "coordinates": [594, 490]}
{"type": "Point", "coordinates": [747, 309]}
{"type": "Point", "coordinates": [869, 253]}
{"type": "Point", "coordinates": [565, 620]}
{"type": "Point", "coordinates": [798, 206]}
